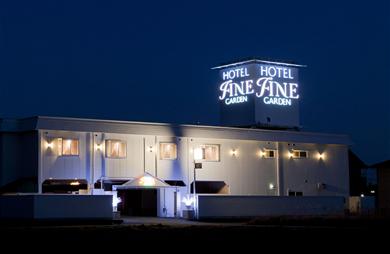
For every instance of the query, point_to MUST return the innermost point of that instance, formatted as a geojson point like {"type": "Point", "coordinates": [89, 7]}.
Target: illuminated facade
{"type": "Point", "coordinates": [250, 161]}
{"type": "Point", "coordinates": [156, 164]}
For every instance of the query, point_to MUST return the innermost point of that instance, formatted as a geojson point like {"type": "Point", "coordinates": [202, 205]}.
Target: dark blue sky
{"type": "Point", "coordinates": [150, 60]}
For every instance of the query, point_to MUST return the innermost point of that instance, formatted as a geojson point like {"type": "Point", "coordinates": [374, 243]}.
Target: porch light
{"type": "Point", "coordinates": [188, 201]}
{"type": "Point", "coordinates": [261, 153]}
{"type": "Point", "coordinates": [271, 186]}
{"type": "Point", "coordinates": [115, 201]}
{"type": "Point", "coordinates": [321, 156]}
{"type": "Point", "coordinates": [234, 152]}
{"type": "Point", "coordinates": [147, 181]}
{"type": "Point", "coordinates": [98, 147]}
{"type": "Point", "coordinates": [49, 145]}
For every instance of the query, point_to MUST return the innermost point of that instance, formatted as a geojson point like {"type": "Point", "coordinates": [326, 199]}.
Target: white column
{"type": "Point", "coordinates": [279, 169]}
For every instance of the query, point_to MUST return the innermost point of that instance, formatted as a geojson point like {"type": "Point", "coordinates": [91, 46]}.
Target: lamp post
{"type": "Point", "coordinates": [198, 155]}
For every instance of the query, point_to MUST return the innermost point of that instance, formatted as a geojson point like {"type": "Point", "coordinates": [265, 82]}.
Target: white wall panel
{"type": "Point", "coordinates": [245, 173]}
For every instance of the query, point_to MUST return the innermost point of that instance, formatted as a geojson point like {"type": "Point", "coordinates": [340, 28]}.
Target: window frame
{"type": "Point", "coordinates": [204, 153]}
{"type": "Point", "coordinates": [299, 156]}
{"type": "Point", "coordinates": [270, 150]}
{"type": "Point", "coordinates": [61, 147]}
{"type": "Point", "coordinates": [167, 143]}
{"type": "Point", "coordinates": [113, 141]}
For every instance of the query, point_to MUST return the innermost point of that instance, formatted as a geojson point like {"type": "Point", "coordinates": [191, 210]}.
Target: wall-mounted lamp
{"type": "Point", "coordinates": [98, 147]}
{"type": "Point", "coordinates": [198, 154]}
{"type": "Point", "coordinates": [49, 145]}
{"type": "Point", "coordinates": [271, 186]}
{"type": "Point", "coordinates": [234, 152]}
{"type": "Point", "coordinates": [151, 149]}
{"type": "Point", "coordinates": [261, 154]}
{"type": "Point", "coordinates": [289, 155]}
{"type": "Point", "coordinates": [321, 156]}
{"type": "Point", "coordinates": [188, 201]}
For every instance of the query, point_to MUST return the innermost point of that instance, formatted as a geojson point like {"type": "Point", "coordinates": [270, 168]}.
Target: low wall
{"type": "Point", "coordinates": [235, 206]}
{"type": "Point", "coordinates": [51, 206]}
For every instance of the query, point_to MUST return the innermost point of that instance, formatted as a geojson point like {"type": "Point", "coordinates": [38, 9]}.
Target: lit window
{"type": "Point", "coordinates": [168, 151]}
{"type": "Point", "coordinates": [209, 152]}
{"type": "Point", "coordinates": [115, 149]}
{"type": "Point", "coordinates": [269, 153]}
{"type": "Point", "coordinates": [68, 147]}
{"type": "Point", "coordinates": [299, 154]}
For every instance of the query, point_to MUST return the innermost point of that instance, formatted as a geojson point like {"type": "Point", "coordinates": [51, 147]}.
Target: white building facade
{"type": "Point", "coordinates": [252, 160]}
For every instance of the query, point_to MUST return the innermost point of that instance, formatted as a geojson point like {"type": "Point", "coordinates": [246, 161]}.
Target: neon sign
{"type": "Point", "coordinates": [272, 84]}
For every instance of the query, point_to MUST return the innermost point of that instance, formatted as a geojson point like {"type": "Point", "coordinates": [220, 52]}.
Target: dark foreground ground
{"type": "Point", "coordinates": [331, 234]}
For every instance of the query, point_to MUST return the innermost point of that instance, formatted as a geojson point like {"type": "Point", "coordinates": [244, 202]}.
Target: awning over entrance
{"type": "Point", "coordinates": [145, 181]}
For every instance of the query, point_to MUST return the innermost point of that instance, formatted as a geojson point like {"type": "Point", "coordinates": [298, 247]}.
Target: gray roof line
{"type": "Point", "coordinates": [187, 125]}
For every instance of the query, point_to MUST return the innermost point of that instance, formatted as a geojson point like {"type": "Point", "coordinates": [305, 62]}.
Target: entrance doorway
{"type": "Point", "coordinates": [138, 202]}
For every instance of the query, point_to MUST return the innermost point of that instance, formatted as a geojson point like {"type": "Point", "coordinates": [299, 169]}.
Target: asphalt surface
{"type": "Point", "coordinates": [169, 234]}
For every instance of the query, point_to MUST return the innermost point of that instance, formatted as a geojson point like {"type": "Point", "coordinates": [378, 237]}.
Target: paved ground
{"type": "Point", "coordinates": [167, 234]}
{"type": "Point", "coordinates": [173, 222]}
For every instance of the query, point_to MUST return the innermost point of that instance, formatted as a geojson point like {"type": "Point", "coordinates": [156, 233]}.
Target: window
{"type": "Point", "coordinates": [115, 149]}
{"type": "Point", "coordinates": [68, 147]}
{"type": "Point", "coordinates": [210, 152]}
{"type": "Point", "coordinates": [168, 151]}
{"type": "Point", "coordinates": [295, 193]}
{"type": "Point", "coordinates": [269, 153]}
{"type": "Point", "coordinates": [299, 154]}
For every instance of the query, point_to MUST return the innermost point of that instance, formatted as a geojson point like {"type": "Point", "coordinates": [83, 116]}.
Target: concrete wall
{"type": "Point", "coordinates": [234, 206]}
{"type": "Point", "coordinates": [56, 207]}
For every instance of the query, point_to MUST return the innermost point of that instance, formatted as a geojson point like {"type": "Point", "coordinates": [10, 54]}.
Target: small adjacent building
{"type": "Point", "coordinates": [383, 192]}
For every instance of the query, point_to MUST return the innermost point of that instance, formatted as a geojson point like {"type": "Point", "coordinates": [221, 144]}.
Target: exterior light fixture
{"type": "Point", "coordinates": [362, 195]}
{"type": "Point", "coordinates": [75, 183]}
{"type": "Point", "coordinates": [321, 156]}
{"type": "Point", "coordinates": [188, 201]}
{"type": "Point", "coordinates": [198, 154]}
{"type": "Point", "coordinates": [151, 149]}
{"type": "Point", "coordinates": [271, 186]}
{"type": "Point", "coordinates": [98, 147]}
{"type": "Point", "coordinates": [147, 181]}
{"type": "Point", "coordinates": [261, 154]}
{"type": "Point", "coordinates": [372, 191]}
{"type": "Point", "coordinates": [49, 145]}
{"type": "Point", "coordinates": [234, 152]}
{"type": "Point", "coordinates": [290, 155]}
{"type": "Point", "coordinates": [115, 201]}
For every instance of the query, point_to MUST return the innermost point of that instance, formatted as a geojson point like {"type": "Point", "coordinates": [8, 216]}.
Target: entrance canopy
{"type": "Point", "coordinates": [145, 181]}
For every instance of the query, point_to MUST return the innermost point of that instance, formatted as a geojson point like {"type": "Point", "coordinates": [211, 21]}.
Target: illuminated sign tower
{"type": "Point", "coordinates": [259, 93]}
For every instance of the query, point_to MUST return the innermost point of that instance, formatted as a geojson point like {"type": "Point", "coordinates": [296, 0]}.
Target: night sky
{"type": "Point", "coordinates": [151, 60]}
